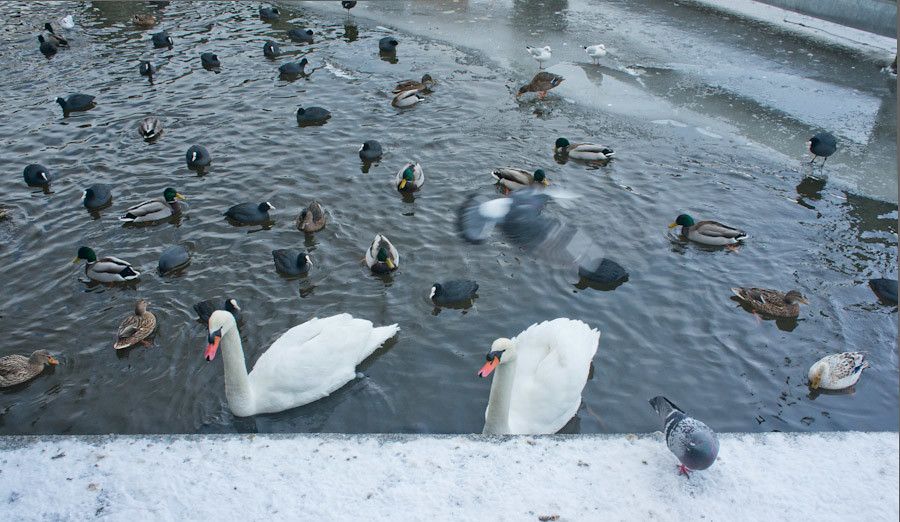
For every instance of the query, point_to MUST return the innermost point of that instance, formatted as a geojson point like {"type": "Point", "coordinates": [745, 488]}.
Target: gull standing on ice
{"type": "Point", "coordinates": [595, 52]}
{"type": "Point", "coordinates": [541, 54]}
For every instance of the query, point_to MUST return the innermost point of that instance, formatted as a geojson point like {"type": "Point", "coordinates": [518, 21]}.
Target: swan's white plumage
{"type": "Point", "coordinates": [306, 363]}
{"type": "Point", "coordinates": [549, 371]}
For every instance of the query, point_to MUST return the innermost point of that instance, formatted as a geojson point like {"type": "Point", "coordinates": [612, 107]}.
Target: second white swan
{"type": "Point", "coordinates": [539, 377]}
{"type": "Point", "coordinates": [306, 363]}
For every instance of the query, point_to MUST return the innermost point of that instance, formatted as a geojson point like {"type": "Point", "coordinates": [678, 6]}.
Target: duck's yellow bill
{"type": "Point", "coordinates": [75, 260]}
{"type": "Point", "coordinates": [402, 184]}
{"type": "Point", "coordinates": [179, 196]}
{"type": "Point", "coordinates": [390, 264]}
{"type": "Point", "coordinates": [673, 225]}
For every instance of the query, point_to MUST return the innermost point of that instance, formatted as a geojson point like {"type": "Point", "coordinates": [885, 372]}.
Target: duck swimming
{"type": "Point", "coordinates": [271, 49]}
{"type": "Point", "coordinates": [197, 157]}
{"type": "Point", "coordinates": [511, 178]}
{"type": "Point", "coordinates": [710, 233]}
{"type": "Point", "coordinates": [370, 151]}
{"type": "Point", "coordinates": [415, 85]}
{"type": "Point", "coordinates": [143, 20]}
{"type": "Point", "coordinates": [541, 84]}
{"type": "Point", "coordinates": [150, 128]}
{"type": "Point", "coordinates": [106, 269]}
{"type": "Point", "coordinates": [37, 175]}
{"type": "Point", "coordinates": [410, 177]}
{"type": "Point", "coordinates": [771, 302]}
{"type": "Point", "coordinates": [155, 210]}
{"type": "Point", "coordinates": [381, 256]}
{"type": "Point", "coordinates": [406, 99]}
{"type": "Point", "coordinates": [312, 218]}
{"type": "Point", "coordinates": [76, 103]}
{"type": "Point", "coordinates": [837, 371]}
{"type": "Point", "coordinates": [136, 327]}
{"type": "Point", "coordinates": [583, 151]}
{"type": "Point", "coordinates": [17, 369]}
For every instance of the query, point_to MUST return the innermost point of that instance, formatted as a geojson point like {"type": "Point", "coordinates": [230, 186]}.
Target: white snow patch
{"type": "Point", "coordinates": [410, 477]}
{"type": "Point", "coordinates": [340, 73]}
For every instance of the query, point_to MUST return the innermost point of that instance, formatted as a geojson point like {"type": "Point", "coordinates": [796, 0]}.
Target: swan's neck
{"type": "Point", "coordinates": [237, 384]}
{"type": "Point", "coordinates": [497, 418]}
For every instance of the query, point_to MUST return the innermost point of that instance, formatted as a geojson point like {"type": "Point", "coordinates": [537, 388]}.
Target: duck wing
{"type": "Point", "coordinates": [151, 210]}
{"type": "Point", "coordinates": [716, 229]}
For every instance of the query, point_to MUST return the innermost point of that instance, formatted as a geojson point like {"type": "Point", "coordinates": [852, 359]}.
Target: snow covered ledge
{"type": "Point", "coordinates": [828, 476]}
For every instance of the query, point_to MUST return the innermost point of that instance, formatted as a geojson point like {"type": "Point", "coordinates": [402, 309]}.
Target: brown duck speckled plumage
{"type": "Point", "coordinates": [136, 327]}
{"type": "Point", "coordinates": [772, 302]}
{"type": "Point", "coordinates": [16, 369]}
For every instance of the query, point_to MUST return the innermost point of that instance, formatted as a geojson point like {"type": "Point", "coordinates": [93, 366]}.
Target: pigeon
{"type": "Point", "coordinates": [885, 289]}
{"type": "Point", "coordinates": [694, 443]}
{"type": "Point", "coordinates": [822, 144]}
{"type": "Point", "coordinates": [595, 52]}
{"type": "Point", "coordinates": [837, 371]}
{"type": "Point", "coordinates": [541, 54]}
{"type": "Point", "coordinates": [520, 219]}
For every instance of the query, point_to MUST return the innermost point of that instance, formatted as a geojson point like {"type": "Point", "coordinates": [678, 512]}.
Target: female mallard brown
{"type": "Point", "coordinates": [408, 85]}
{"type": "Point", "coordinates": [16, 369]}
{"type": "Point", "coordinates": [710, 233]}
{"type": "Point", "coordinates": [541, 83]}
{"type": "Point", "coordinates": [136, 328]}
{"type": "Point", "coordinates": [144, 20]}
{"type": "Point", "coordinates": [772, 302]}
{"type": "Point", "coordinates": [312, 218]}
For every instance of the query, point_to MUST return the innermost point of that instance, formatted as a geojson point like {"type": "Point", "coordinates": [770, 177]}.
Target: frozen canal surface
{"type": "Point", "coordinates": [708, 114]}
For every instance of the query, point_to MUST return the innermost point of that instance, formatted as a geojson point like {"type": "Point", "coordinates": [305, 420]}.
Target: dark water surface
{"type": "Point", "coordinates": [672, 329]}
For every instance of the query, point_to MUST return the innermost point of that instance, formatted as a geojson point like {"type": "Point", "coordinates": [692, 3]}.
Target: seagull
{"type": "Point", "coordinates": [694, 443]}
{"type": "Point", "coordinates": [519, 218]}
{"type": "Point", "coordinates": [541, 54]}
{"type": "Point", "coordinates": [595, 52]}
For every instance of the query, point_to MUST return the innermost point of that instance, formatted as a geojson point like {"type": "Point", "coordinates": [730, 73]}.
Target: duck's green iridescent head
{"type": "Point", "coordinates": [540, 177]}
{"type": "Point", "coordinates": [561, 143]}
{"type": "Point", "coordinates": [87, 254]}
{"type": "Point", "coordinates": [409, 174]}
{"type": "Point", "coordinates": [171, 195]}
{"type": "Point", "coordinates": [382, 255]}
{"type": "Point", "coordinates": [683, 220]}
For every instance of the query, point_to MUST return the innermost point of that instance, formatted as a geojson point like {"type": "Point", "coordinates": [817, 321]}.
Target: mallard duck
{"type": "Point", "coordinates": [150, 128]}
{"type": "Point", "coordinates": [410, 177]}
{"type": "Point", "coordinates": [595, 52]}
{"type": "Point", "coordinates": [406, 99]}
{"type": "Point", "coordinates": [583, 151]}
{"type": "Point", "coordinates": [414, 85]}
{"type": "Point", "coordinates": [837, 371]}
{"type": "Point", "coordinates": [16, 369]}
{"type": "Point", "coordinates": [381, 256]}
{"type": "Point", "coordinates": [55, 37]}
{"type": "Point", "coordinates": [708, 232]}
{"type": "Point", "coordinates": [541, 54]}
{"type": "Point", "coordinates": [312, 218]}
{"type": "Point", "coordinates": [541, 83]}
{"type": "Point", "coordinates": [772, 302]}
{"type": "Point", "coordinates": [136, 327]}
{"type": "Point", "coordinates": [511, 178]}
{"type": "Point", "coordinates": [106, 269]}
{"type": "Point", "coordinates": [155, 209]}
{"type": "Point", "coordinates": [143, 20]}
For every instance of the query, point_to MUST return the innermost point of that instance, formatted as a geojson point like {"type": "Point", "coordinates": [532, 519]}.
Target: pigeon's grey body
{"type": "Point", "coordinates": [521, 220]}
{"type": "Point", "coordinates": [173, 258]}
{"type": "Point", "coordinates": [694, 443]}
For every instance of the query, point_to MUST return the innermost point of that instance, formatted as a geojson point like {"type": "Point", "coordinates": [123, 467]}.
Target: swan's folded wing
{"type": "Point", "coordinates": [553, 361]}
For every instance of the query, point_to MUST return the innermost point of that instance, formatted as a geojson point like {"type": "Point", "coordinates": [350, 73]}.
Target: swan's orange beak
{"type": "Point", "coordinates": [212, 347]}
{"type": "Point", "coordinates": [488, 367]}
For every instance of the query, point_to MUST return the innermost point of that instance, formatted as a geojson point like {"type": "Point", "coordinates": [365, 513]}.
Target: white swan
{"type": "Point", "coordinates": [539, 377]}
{"type": "Point", "coordinates": [306, 363]}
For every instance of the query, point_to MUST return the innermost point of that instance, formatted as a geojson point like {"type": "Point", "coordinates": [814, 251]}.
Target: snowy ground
{"type": "Point", "coordinates": [774, 476]}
